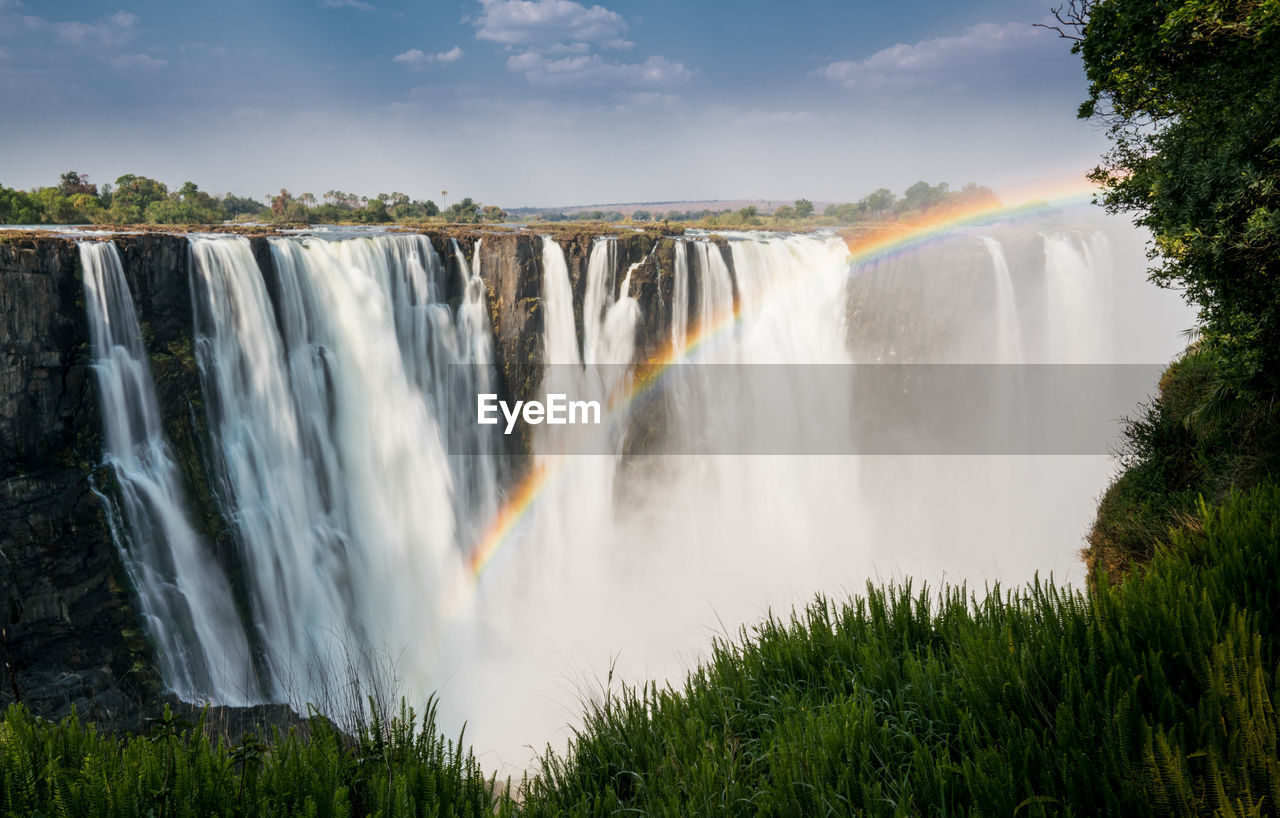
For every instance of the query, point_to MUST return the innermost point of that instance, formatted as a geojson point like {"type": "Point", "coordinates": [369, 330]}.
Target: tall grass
{"type": "Point", "coordinates": [397, 766]}
{"type": "Point", "coordinates": [1152, 695]}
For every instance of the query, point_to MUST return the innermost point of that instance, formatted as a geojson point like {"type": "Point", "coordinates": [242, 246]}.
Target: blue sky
{"type": "Point", "coordinates": [541, 102]}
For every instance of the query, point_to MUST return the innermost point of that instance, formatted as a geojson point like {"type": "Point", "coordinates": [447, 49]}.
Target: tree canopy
{"type": "Point", "coordinates": [1190, 94]}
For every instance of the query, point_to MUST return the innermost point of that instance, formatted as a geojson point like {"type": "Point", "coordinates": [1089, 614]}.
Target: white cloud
{"type": "Point", "coordinates": [347, 4]}
{"type": "Point", "coordinates": [932, 60]}
{"type": "Point", "coordinates": [113, 30]}
{"type": "Point", "coordinates": [416, 56]}
{"type": "Point", "coordinates": [140, 62]}
{"type": "Point", "coordinates": [543, 23]}
{"type": "Point", "coordinates": [592, 69]}
{"type": "Point", "coordinates": [646, 99]}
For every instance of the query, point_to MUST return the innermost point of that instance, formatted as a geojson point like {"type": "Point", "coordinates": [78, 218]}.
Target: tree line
{"type": "Point", "coordinates": [880, 205]}
{"type": "Point", "coordinates": [134, 199]}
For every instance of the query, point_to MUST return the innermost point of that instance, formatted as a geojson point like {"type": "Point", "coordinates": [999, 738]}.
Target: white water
{"type": "Point", "coordinates": [1078, 283]}
{"type": "Point", "coordinates": [331, 432]}
{"type": "Point", "coordinates": [334, 413]}
{"type": "Point", "coordinates": [1008, 330]}
{"type": "Point", "coordinates": [184, 596]}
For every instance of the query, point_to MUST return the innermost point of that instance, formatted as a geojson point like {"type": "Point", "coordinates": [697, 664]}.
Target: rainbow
{"type": "Point", "coordinates": [880, 241]}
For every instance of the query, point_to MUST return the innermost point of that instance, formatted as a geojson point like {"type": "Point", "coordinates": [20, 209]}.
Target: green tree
{"type": "Point", "coordinates": [804, 208]}
{"type": "Point", "coordinates": [137, 192]}
{"type": "Point", "coordinates": [17, 207]}
{"type": "Point", "coordinates": [463, 212]}
{"type": "Point", "coordinates": [877, 202]}
{"type": "Point", "coordinates": [234, 206]}
{"type": "Point", "coordinates": [1189, 91]}
{"type": "Point", "coordinates": [922, 196]}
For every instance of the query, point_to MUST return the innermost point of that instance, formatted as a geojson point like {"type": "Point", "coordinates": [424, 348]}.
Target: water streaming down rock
{"type": "Point", "coordinates": [1078, 297]}
{"type": "Point", "coordinates": [1008, 324]}
{"type": "Point", "coordinates": [184, 596]}
{"type": "Point", "coordinates": [680, 297]}
{"type": "Point", "coordinates": [330, 419]}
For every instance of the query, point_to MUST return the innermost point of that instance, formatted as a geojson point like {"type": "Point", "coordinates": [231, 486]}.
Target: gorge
{"type": "Point", "coordinates": [246, 469]}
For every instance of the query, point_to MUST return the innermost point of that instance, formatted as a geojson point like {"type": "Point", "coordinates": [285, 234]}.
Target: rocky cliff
{"type": "Point", "coordinates": [70, 635]}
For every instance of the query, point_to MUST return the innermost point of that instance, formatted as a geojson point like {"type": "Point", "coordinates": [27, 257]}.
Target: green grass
{"type": "Point", "coordinates": [395, 767]}
{"type": "Point", "coordinates": [1153, 695]}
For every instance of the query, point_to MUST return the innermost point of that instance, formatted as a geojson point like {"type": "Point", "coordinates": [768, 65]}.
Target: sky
{"type": "Point", "coordinates": [543, 102]}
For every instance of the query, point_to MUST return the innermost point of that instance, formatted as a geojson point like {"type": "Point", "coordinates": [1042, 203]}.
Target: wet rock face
{"type": "Point", "coordinates": [511, 268]}
{"type": "Point", "coordinates": [68, 635]}
{"type": "Point", "coordinates": [43, 344]}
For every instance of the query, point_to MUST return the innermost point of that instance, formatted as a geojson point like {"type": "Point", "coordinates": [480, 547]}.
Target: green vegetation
{"type": "Point", "coordinates": [1199, 439]}
{"type": "Point", "coordinates": [1190, 93]}
{"type": "Point", "coordinates": [877, 207]}
{"type": "Point", "coordinates": [396, 767]}
{"type": "Point", "coordinates": [140, 200]}
{"type": "Point", "coordinates": [1151, 696]}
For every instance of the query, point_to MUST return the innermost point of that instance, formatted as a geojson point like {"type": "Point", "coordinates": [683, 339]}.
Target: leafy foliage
{"type": "Point", "coordinates": [138, 199]}
{"type": "Point", "coordinates": [1190, 91]}
{"type": "Point", "coordinates": [1198, 439]}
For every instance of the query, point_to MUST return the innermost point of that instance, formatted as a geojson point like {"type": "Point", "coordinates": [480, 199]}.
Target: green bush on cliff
{"type": "Point", "coordinates": [1154, 695]}
{"type": "Point", "coordinates": [1198, 438]}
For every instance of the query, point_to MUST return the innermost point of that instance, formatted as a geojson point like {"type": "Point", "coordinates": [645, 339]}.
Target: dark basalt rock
{"type": "Point", "coordinates": [69, 636]}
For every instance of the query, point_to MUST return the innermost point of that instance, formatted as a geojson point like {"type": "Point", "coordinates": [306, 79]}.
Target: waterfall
{"type": "Point", "coordinates": [1008, 329]}
{"type": "Point", "coordinates": [715, 291]}
{"type": "Point", "coordinates": [602, 268]}
{"type": "Point", "coordinates": [560, 338]}
{"type": "Point", "coordinates": [680, 297]}
{"type": "Point", "coordinates": [331, 420]}
{"type": "Point", "coordinates": [1078, 299]}
{"type": "Point", "coordinates": [339, 384]}
{"type": "Point", "coordinates": [185, 599]}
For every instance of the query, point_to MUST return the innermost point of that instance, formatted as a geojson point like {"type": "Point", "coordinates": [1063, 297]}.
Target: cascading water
{"type": "Point", "coordinates": [1077, 285]}
{"type": "Point", "coordinates": [185, 599]}
{"type": "Point", "coordinates": [336, 402]}
{"type": "Point", "coordinates": [330, 415]}
{"type": "Point", "coordinates": [1008, 329]}
{"type": "Point", "coordinates": [680, 298]}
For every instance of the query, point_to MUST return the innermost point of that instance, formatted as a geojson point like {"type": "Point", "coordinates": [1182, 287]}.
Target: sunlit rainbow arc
{"type": "Point", "coordinates": [877, 244]}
